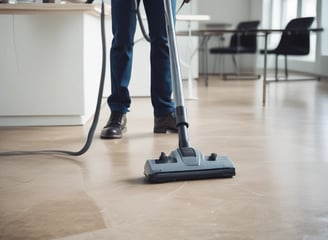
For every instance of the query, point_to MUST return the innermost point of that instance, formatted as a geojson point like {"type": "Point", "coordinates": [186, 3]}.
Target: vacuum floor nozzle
{"type": "Point", "coordinates": [187, 164]}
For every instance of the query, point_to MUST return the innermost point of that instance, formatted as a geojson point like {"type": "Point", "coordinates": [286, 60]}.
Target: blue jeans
{"type": "Point", "coordinates": [121, 53]}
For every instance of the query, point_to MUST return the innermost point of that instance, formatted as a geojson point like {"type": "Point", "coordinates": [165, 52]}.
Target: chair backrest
{"type": "Point", "coordinates": [247, 40]}
{"type": "Point", "coordinates": [295, 40]}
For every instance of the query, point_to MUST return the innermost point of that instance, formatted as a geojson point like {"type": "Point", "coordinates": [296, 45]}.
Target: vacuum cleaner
{"type": "Point", "coordinates": [186, 162]}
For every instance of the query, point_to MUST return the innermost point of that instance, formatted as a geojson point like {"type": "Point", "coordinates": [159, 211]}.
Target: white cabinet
{"type": "Point", "coordinates": [50, 64]}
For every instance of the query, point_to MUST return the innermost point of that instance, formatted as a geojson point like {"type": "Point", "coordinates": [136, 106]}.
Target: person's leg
{"type": "Point", "coordinates": [161, 84]}
{"type": "Point", "coordinates": [123, 28]}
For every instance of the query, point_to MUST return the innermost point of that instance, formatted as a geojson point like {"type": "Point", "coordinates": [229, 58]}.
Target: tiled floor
{"type": "Point", "coordinates": [280, 191]}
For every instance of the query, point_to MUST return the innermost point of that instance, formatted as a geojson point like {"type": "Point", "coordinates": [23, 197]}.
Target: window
{"type": "Point", "coordinates": [289, 10]}
{"type": "Point", "coordinates": [324, 34]}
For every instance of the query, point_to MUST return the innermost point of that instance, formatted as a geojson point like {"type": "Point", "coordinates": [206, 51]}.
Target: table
{"type": "Point", "coordinates": [208, 33]}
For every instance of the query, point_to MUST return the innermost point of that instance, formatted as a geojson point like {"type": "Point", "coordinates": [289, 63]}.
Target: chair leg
{"type": "Point", "coordinates": [235, 64]}
{"type": "Point", "coordinates": [222, 66]}
{"type": "Point", "coordinates": [286, 68]}
{"type": "Point", "coordinates": [276, 68]}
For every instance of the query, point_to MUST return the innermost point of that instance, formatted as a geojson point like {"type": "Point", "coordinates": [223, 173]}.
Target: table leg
{"type": "Point", "coordinates": [190, 87]}
{"type": "Point", "coordinates": [207, 38]}
{"type": "Point", "coordinates": [265, 68]}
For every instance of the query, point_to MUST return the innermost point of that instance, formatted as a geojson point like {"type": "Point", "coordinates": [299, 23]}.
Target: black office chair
{"type": "Point", "coordinates": [240, 43]}
{"type": "Point", "coordinates": [295, 41]}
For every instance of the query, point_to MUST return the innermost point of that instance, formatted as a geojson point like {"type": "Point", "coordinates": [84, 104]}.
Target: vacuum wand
{"type": "Point", "coordinates": [182, 123]}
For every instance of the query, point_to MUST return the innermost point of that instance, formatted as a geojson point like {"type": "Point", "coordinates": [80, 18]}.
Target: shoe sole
{"type": "Point", "coordinates": [164, 130]}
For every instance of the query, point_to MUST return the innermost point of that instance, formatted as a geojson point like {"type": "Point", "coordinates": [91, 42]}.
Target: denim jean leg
{"type": "Point", "coordinates": [121, 53]}
{"type": "Point", "coordinates": [161, 83]}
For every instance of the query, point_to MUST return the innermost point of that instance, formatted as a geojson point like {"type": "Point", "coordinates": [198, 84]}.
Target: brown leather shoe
{"type": "Point", "coordinates": [115, 126]}
{"type": "Point", "coordinates": [166, 123]}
